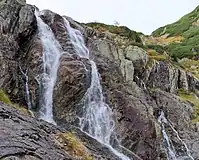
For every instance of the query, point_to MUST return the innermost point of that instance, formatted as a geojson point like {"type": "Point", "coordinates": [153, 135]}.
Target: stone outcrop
{"type": "Point", "coordinates": [26, 138]}
{"type": "Point", "coordinates": [135, 87]}
{"type": "Point", "coordinates": [23, 137]}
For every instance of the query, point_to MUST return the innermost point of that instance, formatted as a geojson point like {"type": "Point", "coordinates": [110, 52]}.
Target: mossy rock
{"type": "Point", "coordinates": [5, 99]}
{"type": "Point", "coordinates": [186, 96]}
{"type": "Point", "coordinates": [73, 145]}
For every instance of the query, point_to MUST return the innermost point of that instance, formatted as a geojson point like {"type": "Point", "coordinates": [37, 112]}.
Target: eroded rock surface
{"type": "Point", "coordinates": [135, 87]}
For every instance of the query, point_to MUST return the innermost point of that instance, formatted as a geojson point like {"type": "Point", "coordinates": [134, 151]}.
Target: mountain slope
{"type": "Point", "coordinates": [188, 28]}
{"type": "Point", "coordinates": [139, 81]}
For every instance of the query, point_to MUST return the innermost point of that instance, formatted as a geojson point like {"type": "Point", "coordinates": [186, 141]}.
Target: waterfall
{"type": "Point", "coordinates": [171, 153]}
{"type": "Point", "coordinates": [183, 143]}
{"type": "Point", "coordinates": [51, 56]}
{"type": "Point", "coordinates": [97, 120]}
{"type": "Point", "coordinates": [27, 97]}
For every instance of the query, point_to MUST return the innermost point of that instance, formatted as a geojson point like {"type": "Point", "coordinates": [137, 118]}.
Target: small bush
{"type": "Point", "coordinates": [158, 48]}
{"type": "Point", "coordinates": [153, 54]}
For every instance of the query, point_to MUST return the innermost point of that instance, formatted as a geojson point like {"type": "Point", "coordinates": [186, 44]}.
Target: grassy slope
{"type": "Point", "coordinates": [118, 30]}
{"type": "Point", "coordinates": [188, 29]}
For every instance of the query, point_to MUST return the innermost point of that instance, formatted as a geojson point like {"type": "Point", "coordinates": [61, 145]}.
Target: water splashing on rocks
{"type": "Point", "coordinates": [170, 149]}
{"type": "Point", "coordinates": [97, 120]}
{"type": "Point", "coordinates": [51, 56]}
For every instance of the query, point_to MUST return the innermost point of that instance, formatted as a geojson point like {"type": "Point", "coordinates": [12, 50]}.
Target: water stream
{"type": "Point", "coordinates": [97, 120]}
{"type": "Point", "coordinates": [27, 97]}
{"type": "Point", "coordinates": [51, 55]}
{"type": "Point", "coordinates": [170, 149]}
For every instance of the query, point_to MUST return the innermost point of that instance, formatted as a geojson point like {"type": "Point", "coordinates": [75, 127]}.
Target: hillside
{"type": "Point", "coordinates": [73, 91]}
{"type": "Point", "coordinates": [187, 29]}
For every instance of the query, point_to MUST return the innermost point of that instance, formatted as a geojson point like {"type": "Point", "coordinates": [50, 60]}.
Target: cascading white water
{"type": "Point", "coordinates": [51, 56]}
{"type": "Point", "coordinates": [26, 88]}
{"type": "Point", "coordinates": [97, 120]}
{"type": "Point", "coordinates": [171, 153]}
{"type": "Point", "coordinates": [183, 143]}
{"type": "Point", "coordinates": [166, 140]}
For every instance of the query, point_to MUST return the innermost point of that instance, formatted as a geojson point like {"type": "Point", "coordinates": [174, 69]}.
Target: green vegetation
{"type": "Point", "coordinates": [190, 65]}
{"type": "Point", "coordinates": [73, 145]}
{"type": "Point", "coordinates": [157, 48]}
{"type": "Point", "coordinates": [179, 27]}
{"type": "Point", "coordinates": [187, 27]}
{"type": "Point", "coordinates": [190, 97]}
{"type": "Point", "coordinates": [153, 54]}
{"type": "Point", "coordinates": [5, 99]}
{"type": "Point", "coordinates": [119, 30]}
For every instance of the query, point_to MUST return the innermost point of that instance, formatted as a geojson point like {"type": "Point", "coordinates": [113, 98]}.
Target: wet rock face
{"type": "Point", "coordinates": [17, 25]}
{"type": "Point", "coordinates": [22, 52]}
{"type": "Point", "coordinates": [25, 138]}
{"type": "Point", "coordinates": [72, 83]}
{"type": "Point", "coordinates": [135, 107]}
{"type": "Point", "coordinates": [162, 76]}
{"type": "Point", "coordinates": [179, 115]}
{"type": "Point", "coordinates": [133, 115]}
{"type": "Point", "coordinates": [74, 74]}
{"type": "Point", "coordinates": [126, 77]}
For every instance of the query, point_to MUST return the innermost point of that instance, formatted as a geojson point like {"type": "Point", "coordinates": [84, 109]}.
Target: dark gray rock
{"type": "Point", "coordinates": [23, 137]}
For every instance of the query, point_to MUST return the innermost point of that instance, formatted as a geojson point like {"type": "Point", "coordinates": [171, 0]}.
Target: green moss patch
{"type": "Point", "coordinates": [153, 54]}
{"type": "Point", "coordinates": [72, 145]}
{"type": "Point", "coordinates": [190, 97]}
{"type": "Point", "coordinates": [191, 66]}
{"type": "Point", "coordinates": [5, 99]}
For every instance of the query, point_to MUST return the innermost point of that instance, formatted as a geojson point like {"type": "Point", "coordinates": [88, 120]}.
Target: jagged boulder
{"type": "Point", "coordinates": [137, 55]}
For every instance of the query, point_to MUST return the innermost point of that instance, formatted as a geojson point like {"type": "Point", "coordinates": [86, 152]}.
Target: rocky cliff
{"type": "Point", "coordinates": [138, 83]}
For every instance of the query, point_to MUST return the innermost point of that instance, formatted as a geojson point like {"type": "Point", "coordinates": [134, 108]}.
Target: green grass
{"type": "Point", "coordinates": [73, 145]}
{"type": "Point", "coordinates": [190, 97]}
{"type": "Point", "coordinates": [185, 28]}
{"type": "Point", "coordinates": [190, 65]}
{"type": "Point", "coordinates": [158, 48]}
{"type": "Point", "coordinates": [119, 30]}
{"type": "Point", "coordinates": [5, 99]}
{"type": "Point", "coordinates": [153, 54]}
{"type": "Point", "coordinates": [179, 27]}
